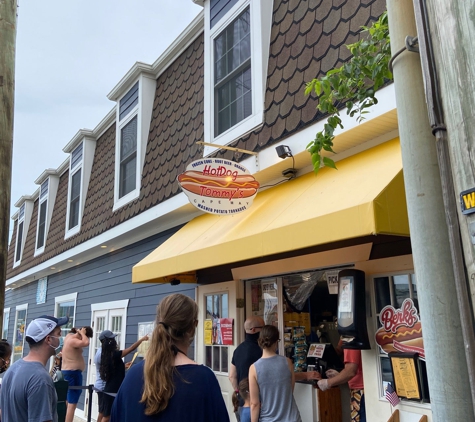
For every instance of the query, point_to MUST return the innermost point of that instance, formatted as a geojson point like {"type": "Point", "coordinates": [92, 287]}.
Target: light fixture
{"type": "Point", "coordinates": [53, 268]}
{"type": "Point", "coordinates": [103, 246]}
{"type": "Point", "coordinates": [283, 151]}
{"type": "Point", "coordinates": [70, 260]}
{"type": "Point", "coordinates": [175, 282]}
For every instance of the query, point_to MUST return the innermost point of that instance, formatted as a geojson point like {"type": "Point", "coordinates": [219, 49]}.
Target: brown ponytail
{"type": "Point", "coordinates": [243, 393]}
{"type": "Point", "coordinates": [175, 324]}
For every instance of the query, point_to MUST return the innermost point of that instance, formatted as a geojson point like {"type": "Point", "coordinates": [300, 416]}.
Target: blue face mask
{"type": "Point", "coordinates": [58, 349]}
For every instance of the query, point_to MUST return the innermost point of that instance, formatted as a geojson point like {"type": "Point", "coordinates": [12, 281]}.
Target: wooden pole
{"type": "Point", "coordinates": [8, 14]}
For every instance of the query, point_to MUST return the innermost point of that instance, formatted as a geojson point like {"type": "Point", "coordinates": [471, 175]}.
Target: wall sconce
{"type": "Point", "coordinates": [283, 151]}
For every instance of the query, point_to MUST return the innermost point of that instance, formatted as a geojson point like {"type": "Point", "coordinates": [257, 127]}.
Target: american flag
{"type": "Point", "coordinates": [391, 395]}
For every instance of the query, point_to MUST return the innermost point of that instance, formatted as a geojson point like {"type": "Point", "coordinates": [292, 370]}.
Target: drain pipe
{"type": "Point", "coordinates": [437, 122]}
{"type": "Point", "coordinates": [439, 309]}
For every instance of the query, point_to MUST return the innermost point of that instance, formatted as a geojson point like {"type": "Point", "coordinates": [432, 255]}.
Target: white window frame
{"type": "Point", "coordinates": [6, 316]}
{"type": "Point", "coordinates": [72, 171]}
{"type": "Point", "coordinates": [21, 219]}
{"type": "Point", "coordinates": [261, 20]}
{"type": "Point", "coordinates": [71, 297]}
{"type": "Point", "coordinates": [41, 200]}
{"type": "Point", "coordinates": [18, 308]}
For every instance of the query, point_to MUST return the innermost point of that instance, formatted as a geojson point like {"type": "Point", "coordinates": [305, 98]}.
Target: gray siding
{"type": "Point", "coordinates": [100, 280]}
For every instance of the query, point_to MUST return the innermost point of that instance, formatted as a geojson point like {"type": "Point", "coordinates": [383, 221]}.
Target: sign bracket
{"type": "Point", "coordinates": [244, 151]}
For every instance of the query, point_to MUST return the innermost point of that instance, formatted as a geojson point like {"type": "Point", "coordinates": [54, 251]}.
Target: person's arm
{"type": "Point", "coordinates": [307, 376]}
{"type": "Point", "coordinates": [348, 372]}
{"type": "Point", "coordinates": [233, 377]}
{"type": "Point", "coordinates": [125, 352]}
{"type": "Point", "coordinates": [79, 340]}
{"type": "Point", "coordinates": [292, 373]}
{"type": "Point", "coordinates": [254, 394]}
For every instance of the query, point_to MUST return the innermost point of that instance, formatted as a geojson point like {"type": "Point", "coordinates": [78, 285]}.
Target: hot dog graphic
{"type": "Point", "coordinates": [405, 339]}
{"type": "Point", "coordinates": [227, 186]}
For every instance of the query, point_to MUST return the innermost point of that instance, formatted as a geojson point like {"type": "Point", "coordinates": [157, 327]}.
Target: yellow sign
{"type": "Point", "coordinates": [208, 331]}
{"type": "Point", "coordinates": [467, 201]}
{"type": "Point", "coordinates": [405, 377]}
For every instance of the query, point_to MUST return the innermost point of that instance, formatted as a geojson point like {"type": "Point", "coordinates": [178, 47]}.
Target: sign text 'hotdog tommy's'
{"type": "Point", "coordinates": [218, 186]}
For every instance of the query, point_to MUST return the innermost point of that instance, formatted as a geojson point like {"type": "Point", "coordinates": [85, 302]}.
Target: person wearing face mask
{"type": "Point", "coordinates": [28, 392]}
{"type": "Point", "coordinates": [245, 355]}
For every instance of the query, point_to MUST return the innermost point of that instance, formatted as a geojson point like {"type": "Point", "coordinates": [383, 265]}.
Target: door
{"type": "Point", "coordinates": [106, 316]}
{"type": "Point", "coordinates": [217, 301]}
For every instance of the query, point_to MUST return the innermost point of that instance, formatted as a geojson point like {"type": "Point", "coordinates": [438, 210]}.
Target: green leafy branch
{"type": "Point", "coordinates": [352, 86]}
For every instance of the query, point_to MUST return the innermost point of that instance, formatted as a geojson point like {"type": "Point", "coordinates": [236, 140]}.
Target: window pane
{"type": "Point", "coordinates": [66, 309]}
{"type": "Point", "coordinates": [386, 370]}
{"type": "Point", "coordinates": [216, 358]}
{"type": "Point", "coordinates": [383, 294]}
{"type": "Point", "coordinates": [19, 335]}
{"type": "Point", "coordinates": [224, 359]}
{"type": "Point", "coordinates": [42, 225]}
{"type": "Point", "coordinates": [401, 288]}
{"type": "Point", "coordinates": [128, 139]}
{"type": "Point", "coordinates": [209, 307]}
{"type": "Point", "coordinates": [208, 351]}
{"type": "Point", "coordinates": [18, 242]}
{"type": "Point", "coordinates": [75, 196]}
{"type": "Point", "coordinates": [128, 176]}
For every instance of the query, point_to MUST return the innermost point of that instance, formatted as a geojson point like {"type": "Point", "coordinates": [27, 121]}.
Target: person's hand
{"type": "Point", "coordinates": [331, 373]}
{"type": "Point", "coordinates": [323, 385]}
{"type": "Point", "coordinates": [144, 338]}
{"type": "Point", "coordinates": [313, 375]}
{"type": "Point", "coordinates": [128, 365]}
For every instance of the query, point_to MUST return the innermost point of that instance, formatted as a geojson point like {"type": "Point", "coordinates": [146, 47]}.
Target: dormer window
{"type": "Point", "coordinates": [19, 234]}
{"type": "Point", "coordinates": [237, 38]}
{"type": "Point", "coordinates": [74, 195]}
{"type": "Point", "coordinates": [43, 209]}
{"type": "Point", "coordinates": [134, 110]}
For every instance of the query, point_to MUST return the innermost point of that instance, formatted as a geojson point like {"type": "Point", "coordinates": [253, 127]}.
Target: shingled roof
{"type": "Point", "coordinates": [307, 39]}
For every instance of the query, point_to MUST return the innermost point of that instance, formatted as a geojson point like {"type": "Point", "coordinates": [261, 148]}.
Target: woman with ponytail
{"type": "Point", "coordinates": [168, 386]}
{"type": "Point", "coordinates": [271, 382]}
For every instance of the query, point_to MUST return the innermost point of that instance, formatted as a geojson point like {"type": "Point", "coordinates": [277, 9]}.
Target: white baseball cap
{"type": "Point", "coordinates": [40, 327]}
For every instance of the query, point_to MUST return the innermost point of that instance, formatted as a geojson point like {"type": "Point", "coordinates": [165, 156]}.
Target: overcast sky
{"type": "Point", "coordinates": [69, 56]}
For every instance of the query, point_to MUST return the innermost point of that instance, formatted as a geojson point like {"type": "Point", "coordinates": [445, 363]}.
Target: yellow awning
{"type": "Point", "coordinates": [365, 196]}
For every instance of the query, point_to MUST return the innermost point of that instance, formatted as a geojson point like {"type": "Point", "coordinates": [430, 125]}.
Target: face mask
{"type": "Point", "coordinates": [58, 349]}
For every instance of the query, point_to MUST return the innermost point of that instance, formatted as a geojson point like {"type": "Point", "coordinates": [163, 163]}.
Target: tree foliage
{"type": "Point", "coordinates": [352, 86]}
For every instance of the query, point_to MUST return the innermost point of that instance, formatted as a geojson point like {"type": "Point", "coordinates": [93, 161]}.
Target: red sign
{"type": "Point", "coordinates": [218, 186]}
{"type": "Point", "coordinates": [401, 329]}
{"type": "Point", "coordinates": [223, 331]}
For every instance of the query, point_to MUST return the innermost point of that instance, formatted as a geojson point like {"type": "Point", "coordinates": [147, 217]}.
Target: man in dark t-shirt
{"type": "Point", "coordinates": [246, 354]}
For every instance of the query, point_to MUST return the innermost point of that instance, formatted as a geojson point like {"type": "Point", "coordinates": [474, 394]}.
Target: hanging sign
{"type": "Point", "coordinates": [218, 186]}
{"type": "Point", "coordinates": [222, 331]}
{"type": "Point", "coordinates": [400, 330]}
{"type": "Point", "coordinates": [467, 201]}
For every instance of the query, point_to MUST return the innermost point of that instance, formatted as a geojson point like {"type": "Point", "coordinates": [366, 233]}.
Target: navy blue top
{"type": "Point", "coordinates": [197, 398]}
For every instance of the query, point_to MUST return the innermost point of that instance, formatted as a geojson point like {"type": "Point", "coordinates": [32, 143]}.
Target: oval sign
{"type": "Point", "coordinates": [218, 186]}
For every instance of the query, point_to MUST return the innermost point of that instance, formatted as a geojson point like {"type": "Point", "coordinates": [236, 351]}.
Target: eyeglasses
{"type": "Point", "coordinates": [6, 362]}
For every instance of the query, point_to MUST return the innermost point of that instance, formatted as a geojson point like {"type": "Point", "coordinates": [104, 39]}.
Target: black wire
{"type": "Point", "coordinates": [286, 179]}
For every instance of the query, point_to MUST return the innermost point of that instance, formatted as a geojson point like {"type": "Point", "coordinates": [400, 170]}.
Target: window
{"type": "Point", "coordinates": [19, 333]}
{"type": "Point", "coordinates": [19, 235]}
{"type": "Point", "coordinates": [75, 184]}
{"type": "Point", "coordinates": [232, 73]}
{"type": "Point", "coordinates": [66, 306]}
{"type": "Point", "coordinates": [237, 38]}
{"type": "Point", "coordinates": [6, 322]}
{"type": "Point", "coordinates": [216, 356]}
{"type": "Point", "coordinates": [393, 290]}
{"type": "Point", "coordinates": [43, 208]}
{"type": "Point", "coordinates": [128, 158]}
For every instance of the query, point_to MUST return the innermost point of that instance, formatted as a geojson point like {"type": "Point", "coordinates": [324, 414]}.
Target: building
{"type": "Point", "coordinates": [113, 212]}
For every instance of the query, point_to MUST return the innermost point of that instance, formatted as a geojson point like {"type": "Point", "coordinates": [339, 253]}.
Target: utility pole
{"type": "Point", "coordinates": [8, 14]}
{"type": "Point", "coordinates": [442, 330]}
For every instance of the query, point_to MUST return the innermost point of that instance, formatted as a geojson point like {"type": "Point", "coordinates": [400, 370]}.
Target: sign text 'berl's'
{"type": "Point", "coordinates": [218, 186]}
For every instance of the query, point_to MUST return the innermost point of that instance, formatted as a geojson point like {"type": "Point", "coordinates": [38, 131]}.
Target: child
{"type": "Point", "coordinates": [243, 394]}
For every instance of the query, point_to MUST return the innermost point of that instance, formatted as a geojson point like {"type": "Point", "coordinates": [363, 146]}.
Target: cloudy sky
{"type": "Point", "coordinates": [70, 54]}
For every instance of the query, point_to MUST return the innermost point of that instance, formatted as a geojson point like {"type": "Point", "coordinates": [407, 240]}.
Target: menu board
{"type": "Point", "coordinates": [405, 373]}
{"type": "Point", "coordinates": [145, 328]}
